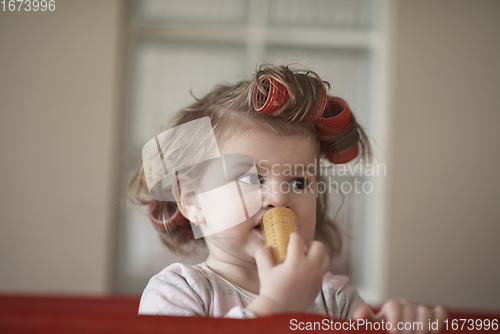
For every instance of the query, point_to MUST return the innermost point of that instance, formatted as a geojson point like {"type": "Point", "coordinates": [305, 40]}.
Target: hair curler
{"type": "Point", "coordinates": [272, 98]}
{"type": "Point", "coordinates": [154, 207]}
{"type": "Point", "coordinates": [335, 117]}
{"type": "Point", "coordinates": [279, 223]}
{"type": "Point", "coordinates": [275, 95]}
{"type": "Point", "coordinates": [345, 156]}
{"type": "Point", "coordinates": [320, 109]}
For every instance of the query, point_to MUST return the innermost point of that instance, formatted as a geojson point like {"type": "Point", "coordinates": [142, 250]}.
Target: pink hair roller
{"type": "Point", "coordinates": [275, 95]}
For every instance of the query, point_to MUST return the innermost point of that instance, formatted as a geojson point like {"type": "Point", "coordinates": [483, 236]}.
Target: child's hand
{"type": "Point", "coordinates": [294, 284]}
{"type": "Point", "coordinates": [401, 310]}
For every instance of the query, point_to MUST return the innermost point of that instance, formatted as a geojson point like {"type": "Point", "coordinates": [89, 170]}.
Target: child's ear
{"type": "Point", "coordinates": [193, 209]}
{"type": "Point", "coordinates": [187, 201]}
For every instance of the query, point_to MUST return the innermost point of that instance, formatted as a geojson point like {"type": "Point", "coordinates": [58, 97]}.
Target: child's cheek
{"type": "Point", "coordinates": [307, 219]}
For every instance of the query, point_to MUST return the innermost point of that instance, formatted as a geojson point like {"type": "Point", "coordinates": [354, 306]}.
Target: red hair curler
{"type": "Point", "coordinates": [274, 97]}
{"type": "Point", "coordinates": [337, 116]}
{"type": "Point", "coordinates": [153, 213]}
{"type": "Point", "coordinates": [320, 107]}
{"type": "Point", "coordinates": [344, 156]}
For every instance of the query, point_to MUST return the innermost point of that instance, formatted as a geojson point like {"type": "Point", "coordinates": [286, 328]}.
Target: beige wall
{"type": "Point", "coordinates": [58, 129]}
{"type": "Point", "coordinates": [444, 215]}
{"type": "Point", "coordinates": [60, 114]}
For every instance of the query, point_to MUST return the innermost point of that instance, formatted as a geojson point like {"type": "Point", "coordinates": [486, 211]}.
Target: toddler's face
{"type": "Point", "coordinates": [282, 165]}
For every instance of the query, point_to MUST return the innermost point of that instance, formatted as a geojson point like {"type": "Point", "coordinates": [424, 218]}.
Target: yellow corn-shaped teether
{"type": "Point", "coordinates": [278, 224]}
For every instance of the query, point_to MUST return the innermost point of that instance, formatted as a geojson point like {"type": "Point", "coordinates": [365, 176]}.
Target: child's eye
{"type": "Point", "coordinates": [251, 179]}
{"type": "Point", "coordinates": [299, 183]}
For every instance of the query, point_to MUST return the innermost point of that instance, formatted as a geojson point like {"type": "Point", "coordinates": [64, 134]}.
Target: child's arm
{"type": "Point", "coordinates": [292, 285]}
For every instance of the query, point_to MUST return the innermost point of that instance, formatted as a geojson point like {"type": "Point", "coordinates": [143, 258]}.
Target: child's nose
{"type": "Point", "coordinates": [273, 196]}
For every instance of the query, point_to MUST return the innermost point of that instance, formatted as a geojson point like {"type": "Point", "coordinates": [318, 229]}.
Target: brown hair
{"type": "Point", "coordinates": [230, 109]}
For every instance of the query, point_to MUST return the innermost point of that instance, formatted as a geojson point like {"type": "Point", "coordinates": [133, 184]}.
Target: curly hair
{"type": "Point", "coordinates": [231, 110]}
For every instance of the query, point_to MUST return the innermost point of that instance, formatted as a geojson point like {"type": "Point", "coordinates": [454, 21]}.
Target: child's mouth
{"type": "Point", "coordinates": [260, 228]}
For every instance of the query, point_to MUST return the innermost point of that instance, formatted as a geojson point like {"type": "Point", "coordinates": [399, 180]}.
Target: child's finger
{"type": "Point", "coordinates": [295, 248]}
{"type": "Point", "coordinates": [264, 258]}
{"type": "Point", "coordinates": [424, 314]}
{"type": "Point", "coordinates": [364, 312]}
{"type": "Point", "coordinates": [391, 312]}
{"type": "Point", "coordinates": [439, 314]}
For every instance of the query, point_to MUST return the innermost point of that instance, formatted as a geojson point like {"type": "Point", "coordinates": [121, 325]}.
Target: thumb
{"type": "Point", "coordinates": [364, 312]}
{"type": "Point", "coordinates": [264, 259]}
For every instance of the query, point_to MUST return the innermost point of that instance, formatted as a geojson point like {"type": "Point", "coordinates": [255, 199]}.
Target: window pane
{"type": "Point", "coordinates": [322, 13]}
{"type": "Point", "coordinates": [173, 53]}
{"type": "Point", "coordinates": [166, 72]}
{"type": "Point", "coordinates": [192, 10]}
